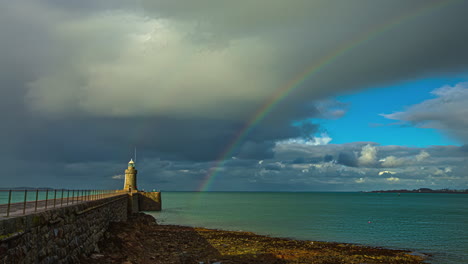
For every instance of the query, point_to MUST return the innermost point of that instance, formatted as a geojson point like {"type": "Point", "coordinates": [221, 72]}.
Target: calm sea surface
{"type": "Point", "coordinates": [429, 223]}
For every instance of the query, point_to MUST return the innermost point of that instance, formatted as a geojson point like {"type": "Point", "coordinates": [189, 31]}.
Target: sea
{"type": "Point", "coordinates": [434, 224]}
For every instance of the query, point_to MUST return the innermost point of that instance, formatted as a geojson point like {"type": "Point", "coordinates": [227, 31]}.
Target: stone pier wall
{"type": "Point", "coordinates": [149, 201]}
{"type": "Point", "coordinates": [59, 235]}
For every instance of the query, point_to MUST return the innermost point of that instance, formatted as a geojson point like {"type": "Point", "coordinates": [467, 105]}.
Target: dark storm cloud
{"type": "Point", "coordinates": [348, 159]}
{"type": "Point", "coordinates": [83, 82]}
{"type": "Point", "coordinates": [464, 148]}
{"type": "Point", "coordinates": [327, 158]}
{"type": "Point", "coordinates": [252, 150]}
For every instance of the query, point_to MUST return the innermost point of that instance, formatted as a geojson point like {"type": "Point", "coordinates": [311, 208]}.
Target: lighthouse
{"type": "Point", "coordinates": [130, 177]}
{"type": "Point", "coordinates": [139, 200]}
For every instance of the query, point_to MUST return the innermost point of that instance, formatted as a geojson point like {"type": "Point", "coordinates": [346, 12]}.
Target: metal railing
{"type": "Point", "coordinates": [21, 202]}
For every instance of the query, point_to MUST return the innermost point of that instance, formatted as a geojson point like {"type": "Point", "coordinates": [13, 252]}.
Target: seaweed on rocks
{"type": "Point", "coordinates": [141, 240]}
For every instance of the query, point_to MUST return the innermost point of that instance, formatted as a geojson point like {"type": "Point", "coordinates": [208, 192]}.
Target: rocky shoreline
{"type": "Point", "coordinates": [141, 240]}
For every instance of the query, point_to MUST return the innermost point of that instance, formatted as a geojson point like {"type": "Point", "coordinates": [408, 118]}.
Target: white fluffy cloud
{"type": "Point", "coordinates": [323, 139]}
{"type": "Point", "coordinates": [411, 167]}
{"type": "Point", "coordinates": [368, 155]}
{"type": "Point", "coordinates": [118, 177]}
{"type": "Point", "coordinates": [448, 111]}
{"type": "Point", "coordinates": [392, 161]}
{"type": "Point", "coordinates": [422, 156]}
{"type": "Point", "coordinates": [360, 180]}
{"type": "Point", "coordinates": [393, 179]}
{"type": "Point", "coordinates": [386, 172]}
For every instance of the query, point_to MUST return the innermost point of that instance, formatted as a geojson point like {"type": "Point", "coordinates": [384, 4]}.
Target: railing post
{"type": "Point", "coordinates": [37, 197]}
{"type": "Point", "coordinates": [73, 195]}
{"type": "Point", "coordinates": [68, 196]}
{"type": "Point", "coordinates": [25, 199]}
{"type": "Point", "coordinates": [61, 199]}
{"type": "Point", "coordinates": [46, 198]}
{"type": "Point", "coordinates": [55, 197]}
{"type": "Point", "coordinates": [9, 204]}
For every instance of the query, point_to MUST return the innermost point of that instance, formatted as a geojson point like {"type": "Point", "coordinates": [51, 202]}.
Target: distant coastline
{"type": "Point", "coordinates": [422, 190]}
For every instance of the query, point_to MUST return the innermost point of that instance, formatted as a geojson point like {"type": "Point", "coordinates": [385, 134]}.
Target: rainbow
{"type": "Point", "coordinates": [300, 78]}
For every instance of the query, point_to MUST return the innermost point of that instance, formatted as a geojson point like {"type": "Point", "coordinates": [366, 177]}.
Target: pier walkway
{"type": "Point", "coordinates": [22, 202]}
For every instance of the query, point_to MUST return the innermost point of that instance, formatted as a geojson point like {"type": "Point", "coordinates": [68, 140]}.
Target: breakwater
{"type": "Point", "coordinates": [63, 234]}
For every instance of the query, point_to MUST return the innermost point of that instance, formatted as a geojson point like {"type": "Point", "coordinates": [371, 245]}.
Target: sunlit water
{"type": "Point", "coordinates": [430, 223]}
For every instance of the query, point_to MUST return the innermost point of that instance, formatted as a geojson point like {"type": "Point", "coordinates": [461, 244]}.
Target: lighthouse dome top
{"type": "Point", "coordinates": [131, 163]}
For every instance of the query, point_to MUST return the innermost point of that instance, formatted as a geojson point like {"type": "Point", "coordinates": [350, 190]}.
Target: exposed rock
{"type": "Point", "coordinates": [141, 241]}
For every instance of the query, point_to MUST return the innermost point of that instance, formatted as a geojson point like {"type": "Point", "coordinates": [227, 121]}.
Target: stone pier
{"type": "Point", "coordinates": [63, 234]}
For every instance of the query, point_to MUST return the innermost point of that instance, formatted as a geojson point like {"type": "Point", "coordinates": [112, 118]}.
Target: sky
{"type": "Point", "coordinates": [266, 95]}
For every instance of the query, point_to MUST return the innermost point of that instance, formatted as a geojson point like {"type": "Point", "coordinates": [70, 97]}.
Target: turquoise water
{"type": "Point", "coordinates": [429, 223]}
{"type": "Point", "coordinates": [18, 196]}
